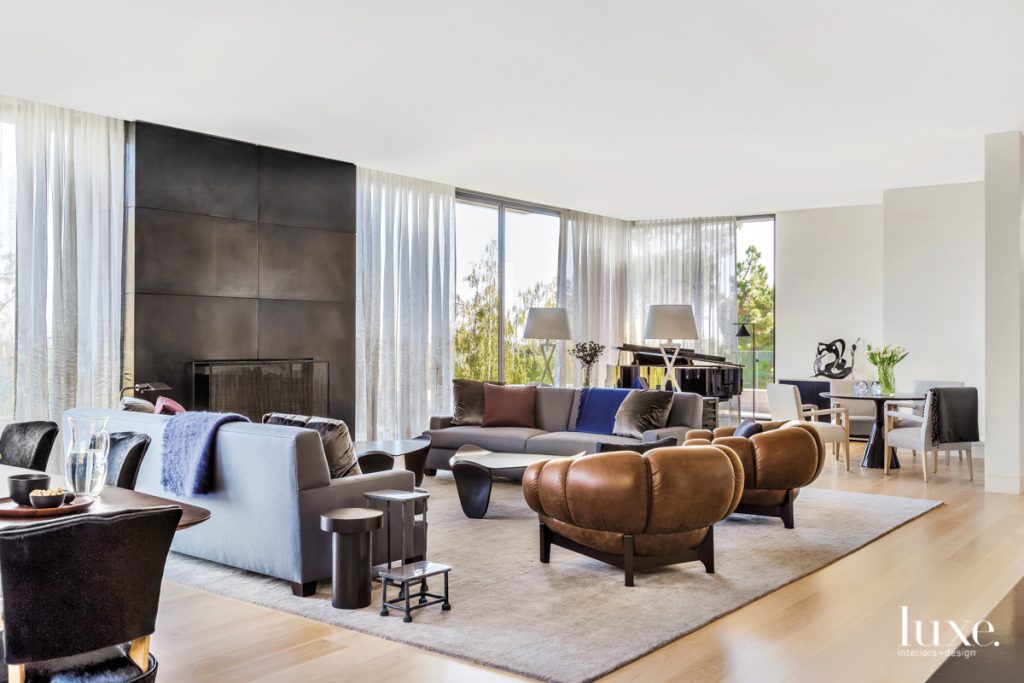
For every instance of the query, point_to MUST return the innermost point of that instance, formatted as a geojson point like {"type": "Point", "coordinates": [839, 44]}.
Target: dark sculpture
{"type": "Point", "coordinates": [829, 361]}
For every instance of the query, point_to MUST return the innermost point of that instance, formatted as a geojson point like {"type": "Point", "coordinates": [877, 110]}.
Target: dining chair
{"type": "Point", "coordinates": [73, 613]}
{"type": "Point", "coordinates": [27, 444]}
{"type": "Point", "coordinates": [862, 411]}
{"type": "Point", "coordinates": [127, 449]}
{"type": "Point", "coordinates": [901, 414]}
{"type": "Point", "coordinates": [784, 405]}
{"type": "Point", "coordinates": [918, 437]}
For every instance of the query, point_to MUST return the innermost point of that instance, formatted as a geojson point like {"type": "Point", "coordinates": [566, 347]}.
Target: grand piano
{"type": "Point", "coordinates": [713, 377]}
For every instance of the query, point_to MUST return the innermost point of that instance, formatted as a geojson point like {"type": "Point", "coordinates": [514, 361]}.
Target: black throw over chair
{"type": "Point", "coordinates": [127, 449]}
{"type": "Point", "coordinates": [72, 613]}
{"type": "Point", "coordinates": [27, 444]}
{"type": "Point", "coordinates": [640, 448]}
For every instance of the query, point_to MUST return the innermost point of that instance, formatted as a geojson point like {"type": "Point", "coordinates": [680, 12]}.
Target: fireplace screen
{"type": "Point", "coordinates": [255, 387]}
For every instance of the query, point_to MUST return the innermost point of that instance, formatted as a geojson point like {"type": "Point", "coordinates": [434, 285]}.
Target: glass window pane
{"type": "Point", "coordinates": [531, 279]}
{"type": "Point", "coordinates": [476, 292]}
{"type": "Point", "coordinates": [755, 283]}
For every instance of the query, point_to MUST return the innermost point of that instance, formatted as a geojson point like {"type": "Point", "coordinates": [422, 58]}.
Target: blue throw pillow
{"type": "Point", "coordinates": [597, 409]}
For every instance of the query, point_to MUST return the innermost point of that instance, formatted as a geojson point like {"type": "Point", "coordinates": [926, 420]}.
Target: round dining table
{"type": "Point", "coordinates": [874, 452]}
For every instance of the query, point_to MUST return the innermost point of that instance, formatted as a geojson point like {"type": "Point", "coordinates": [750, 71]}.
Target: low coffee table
{"type": "Point", "coordinates": [474, 469]}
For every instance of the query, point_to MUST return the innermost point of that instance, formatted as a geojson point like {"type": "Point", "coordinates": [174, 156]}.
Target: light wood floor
{"type": "Point", "coordinates": [838, 624]}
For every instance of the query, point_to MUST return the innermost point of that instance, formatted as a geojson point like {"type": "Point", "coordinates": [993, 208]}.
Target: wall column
{"type": "Point", "coordinates": [1004, 264]}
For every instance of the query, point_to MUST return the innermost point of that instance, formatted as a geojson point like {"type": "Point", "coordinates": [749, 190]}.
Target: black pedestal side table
{"type": "Point", "coordinates": [350, 580]}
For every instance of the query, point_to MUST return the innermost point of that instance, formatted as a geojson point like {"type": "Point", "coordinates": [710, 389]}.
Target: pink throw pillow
{"type": "Point", "coordinates": [168, 406]}
{"type": "Point", "coordinates": [510, 406]}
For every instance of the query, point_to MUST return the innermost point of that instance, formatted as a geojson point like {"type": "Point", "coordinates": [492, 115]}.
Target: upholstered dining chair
{"type": "Point", "coordinates": [784, 404]}
{"type": "Point", "coordinates": [72, 613]}
{"type": "Point", "coordinates": [862, 412]}
{"type": "Point", "coordinates": [918, 437]}
{"type": "Point", "coordinates": [901, 414]}
{"type": "Point", "coordinates": [127, 449]}
{"type": "Point", "coordinates": [27, 444]}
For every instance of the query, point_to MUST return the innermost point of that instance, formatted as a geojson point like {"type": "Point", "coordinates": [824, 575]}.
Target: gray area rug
{"type": "Point", "coordinates": [572, 620]}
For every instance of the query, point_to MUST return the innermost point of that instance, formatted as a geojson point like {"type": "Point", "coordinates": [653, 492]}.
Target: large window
{"type": "Point", "coordinates": [755, 284]}
{"type": "Point", "coordinates": [506, 263]}
{"type": "Point", "coordinates": [8, 192]}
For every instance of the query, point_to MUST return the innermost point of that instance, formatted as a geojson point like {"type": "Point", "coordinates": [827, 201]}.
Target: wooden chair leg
{"type": "Point", "coordinates": [846, 452]}
{"type": "Point", "coordinates": [947, 458]}
{"type": "Point", "coordinates": [139, 653]}
{"type": "Point", "coordinates": [970, 462]}
{"type": "Point", "coordinates": [16, 673]}
{"type": "Point", "coordinates": [887, 460]}
{"type": "Point", "coordinates": [924, 463]}
{"type": "Point", "coordinates": [935, 462]}
{"type": "Point", "coordinates": [961, 454]}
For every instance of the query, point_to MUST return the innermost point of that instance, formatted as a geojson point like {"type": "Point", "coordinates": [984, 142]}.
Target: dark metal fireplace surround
{"type": "Point", "coordinates": [256, 387]}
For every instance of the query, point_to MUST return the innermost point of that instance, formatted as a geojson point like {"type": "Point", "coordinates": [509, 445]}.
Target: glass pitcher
{"type": "Point", "coordinates": [86, 463]}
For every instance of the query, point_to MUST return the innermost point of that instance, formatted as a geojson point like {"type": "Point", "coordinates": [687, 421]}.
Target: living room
{"type": "Point", "coordinates": [560, 342]}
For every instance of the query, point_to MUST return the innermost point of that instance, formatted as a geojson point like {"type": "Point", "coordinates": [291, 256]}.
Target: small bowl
{"type": "Point", "coordinates": [43, 502]}
{"type": "Point", "coordinates": [21, 485]}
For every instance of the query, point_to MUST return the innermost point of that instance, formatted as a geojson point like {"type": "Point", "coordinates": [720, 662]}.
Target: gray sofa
{"type": "Point", "coordinates": [556, 412]}
{"type": "Point", "coordinates": [271, 485]}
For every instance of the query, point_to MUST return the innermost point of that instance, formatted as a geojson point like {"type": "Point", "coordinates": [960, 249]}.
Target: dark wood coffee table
{"type": "Point", "coordinates": [474, 469]}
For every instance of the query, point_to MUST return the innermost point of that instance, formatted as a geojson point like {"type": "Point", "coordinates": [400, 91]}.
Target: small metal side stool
{"type": "Point", "coordinates": [407, 574]}
{"type": "Point", "coordinates": [350, 529]}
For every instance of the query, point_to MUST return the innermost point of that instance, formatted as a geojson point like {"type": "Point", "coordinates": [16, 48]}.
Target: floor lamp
{"type": "Point", "coordinates": [668, 324]}
{"type": "Point", "coordinates": [547, 324]}
{"type": "Point", "coordinates": [744, 331]}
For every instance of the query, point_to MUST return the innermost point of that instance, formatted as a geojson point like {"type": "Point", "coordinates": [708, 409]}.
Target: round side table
{"type": "Point", "coordinates": [350, 579]}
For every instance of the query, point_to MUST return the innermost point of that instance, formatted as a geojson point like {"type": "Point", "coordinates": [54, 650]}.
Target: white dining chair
{"type": "Point", "coordinates": [784, 404]}
{"type": "Point", "coordinates": [918, 438]}
{"type": "Point", "coordinates": [901, 414]}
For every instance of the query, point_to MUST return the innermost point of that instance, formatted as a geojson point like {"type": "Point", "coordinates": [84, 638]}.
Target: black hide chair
{"type": "Point", "coordinates": [127, 449]}
{"type": "Point", "coordinates": [27, 444]}
{"type": "Point", "coordinates": [640, 448]}
{"type": "Point", "coordinates": [73, 613]}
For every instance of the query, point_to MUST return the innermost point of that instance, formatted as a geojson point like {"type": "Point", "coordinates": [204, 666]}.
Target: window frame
{"type": "Point", "coordinates": [502, 204]}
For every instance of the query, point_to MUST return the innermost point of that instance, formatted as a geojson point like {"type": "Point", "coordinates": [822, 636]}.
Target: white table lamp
{"type": "Point", "coordinates": [668, 324]}
{"type": "Point", "coordinates": [547, 324]}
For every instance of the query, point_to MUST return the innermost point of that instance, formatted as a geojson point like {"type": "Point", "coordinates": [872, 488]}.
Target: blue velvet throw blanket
{"type": "Point", "coordinates": [188, 450]}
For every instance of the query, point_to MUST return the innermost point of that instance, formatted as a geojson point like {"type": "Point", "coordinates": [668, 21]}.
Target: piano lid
{"type": "Point", "coordinates": [651, 355]}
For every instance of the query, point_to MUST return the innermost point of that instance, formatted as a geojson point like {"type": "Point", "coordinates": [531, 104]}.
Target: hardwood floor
{"type": "Point", "coordinates": [838, 624]}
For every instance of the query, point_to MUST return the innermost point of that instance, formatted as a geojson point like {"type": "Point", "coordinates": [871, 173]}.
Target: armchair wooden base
{"type": "Point", "coordinates": [783, 511]}
{"type": "Point", "coordinates": [628, 561]}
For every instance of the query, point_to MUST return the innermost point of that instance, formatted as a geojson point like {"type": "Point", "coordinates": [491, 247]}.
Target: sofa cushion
{"type": "Point", "coordinates": [507, 439]}
{"type": "Point", "coordinates": [510, 406]}
{"type": "Point", "coordinates": [597, 409]}
{"type": "Point", "coordinates": [468, 401]}
{"type": "Point", "coordinates": [642, 411]}
{"type": "Point", "coordinates": [167, 406]}
{"type": "Point", "coordinates": [554, 408]}
{"type": "Point", "coordinates": [570, 443]}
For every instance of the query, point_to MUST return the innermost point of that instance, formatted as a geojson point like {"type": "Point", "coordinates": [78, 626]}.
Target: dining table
{"type": "Point", "coordinates": [874, 452]}
{"type": "Point", "coordinates": [110, 499]}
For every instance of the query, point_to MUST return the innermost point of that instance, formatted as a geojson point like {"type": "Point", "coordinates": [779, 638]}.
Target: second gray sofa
{"type": "Point", "coordinates": [556, 411]}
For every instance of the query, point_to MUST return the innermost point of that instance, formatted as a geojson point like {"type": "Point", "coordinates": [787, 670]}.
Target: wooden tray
{"type": "Point", "coordinates": [8, 508]}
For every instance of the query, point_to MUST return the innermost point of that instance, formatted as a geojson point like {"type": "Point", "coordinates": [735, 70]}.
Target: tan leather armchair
{"type": "Point", "coordinates": [777, 463]}
{"type": "Point", "coordinates": [636, 511]}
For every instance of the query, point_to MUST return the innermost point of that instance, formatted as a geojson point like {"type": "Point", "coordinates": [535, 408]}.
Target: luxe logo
{"type": "Point", "coordinates": [944, 633]}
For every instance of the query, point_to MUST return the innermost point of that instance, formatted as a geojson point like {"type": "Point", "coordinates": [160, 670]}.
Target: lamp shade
{"type": "Point", "coordinates": [674, 321]}
{"type": "Point", "coordinates": [547, 323]}
{"type": "Point", "coordinates": [743, 331]}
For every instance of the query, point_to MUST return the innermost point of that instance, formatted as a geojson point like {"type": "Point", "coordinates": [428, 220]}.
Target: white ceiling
{"type": "Point", "coordinates": [636, 109]}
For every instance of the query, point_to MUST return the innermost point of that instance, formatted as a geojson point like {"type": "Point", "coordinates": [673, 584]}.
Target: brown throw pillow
{"type": "Point", "coordinates": [510, 406]}
{"type": "Point", "coordinates": [341, 456]}
{"type": "Point", "coordinates": [642, 411]}
{"type": "Point", "coordinates": [468, 400]}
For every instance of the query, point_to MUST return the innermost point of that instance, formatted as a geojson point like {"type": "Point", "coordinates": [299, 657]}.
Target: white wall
{"type": "Point", "coordinates": [828, 284]}
{"type": "Point", "coordinates": [934, 274]}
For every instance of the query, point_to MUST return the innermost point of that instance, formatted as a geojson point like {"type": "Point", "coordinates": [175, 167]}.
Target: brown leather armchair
{"type": "Point", "coordinates": [777, 463]}
{"type": "Point", "coordinates": [636, 511]}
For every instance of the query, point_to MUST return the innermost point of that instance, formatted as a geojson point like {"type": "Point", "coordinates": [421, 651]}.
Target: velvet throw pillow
{"type": "Point", "coordinates": [334, 435]}
{"type": "Point", "coordinates": [597, 409]}
{"type": "Point", "coordinates": [510, 406]}
{"type": "Point", "coordinates": [285, 419]}
{"type": "Point", "coordinates": [468, 401]}
{"type": "Point", "coordinates": [167, 406]}
{"type": "Point", "coordinates": [748, 428]}
{"type": "Point", "coordinates": [642, 411]}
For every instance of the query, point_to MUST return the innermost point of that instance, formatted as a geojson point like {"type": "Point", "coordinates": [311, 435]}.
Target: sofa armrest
{"type": "Point", "coordinates": [441, 422]}
{"type": "Point", "coordinates": [679, 433]}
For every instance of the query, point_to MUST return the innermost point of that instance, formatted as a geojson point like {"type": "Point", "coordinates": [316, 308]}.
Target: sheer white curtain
{"type": "Point", "coordinates": [405, 304]}
{"type": "Point", "coordinates": [63, 185]}
{"type": "Point", "coordinates": [686, 261]}
{"type": "Point", "coordinates": [593, 287]}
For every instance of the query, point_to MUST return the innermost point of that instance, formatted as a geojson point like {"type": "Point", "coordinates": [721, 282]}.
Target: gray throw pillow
{"type": "Point", "coordinates": [341, 456]}
{"type": "Point", "coordinates": [642, 411]}
{"type": "Point", "coordinates": [137, 405]}
{"type": "Point", "coordinates": [468, 401]}
{"type": "Point", "coordinates": [285, 419]}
